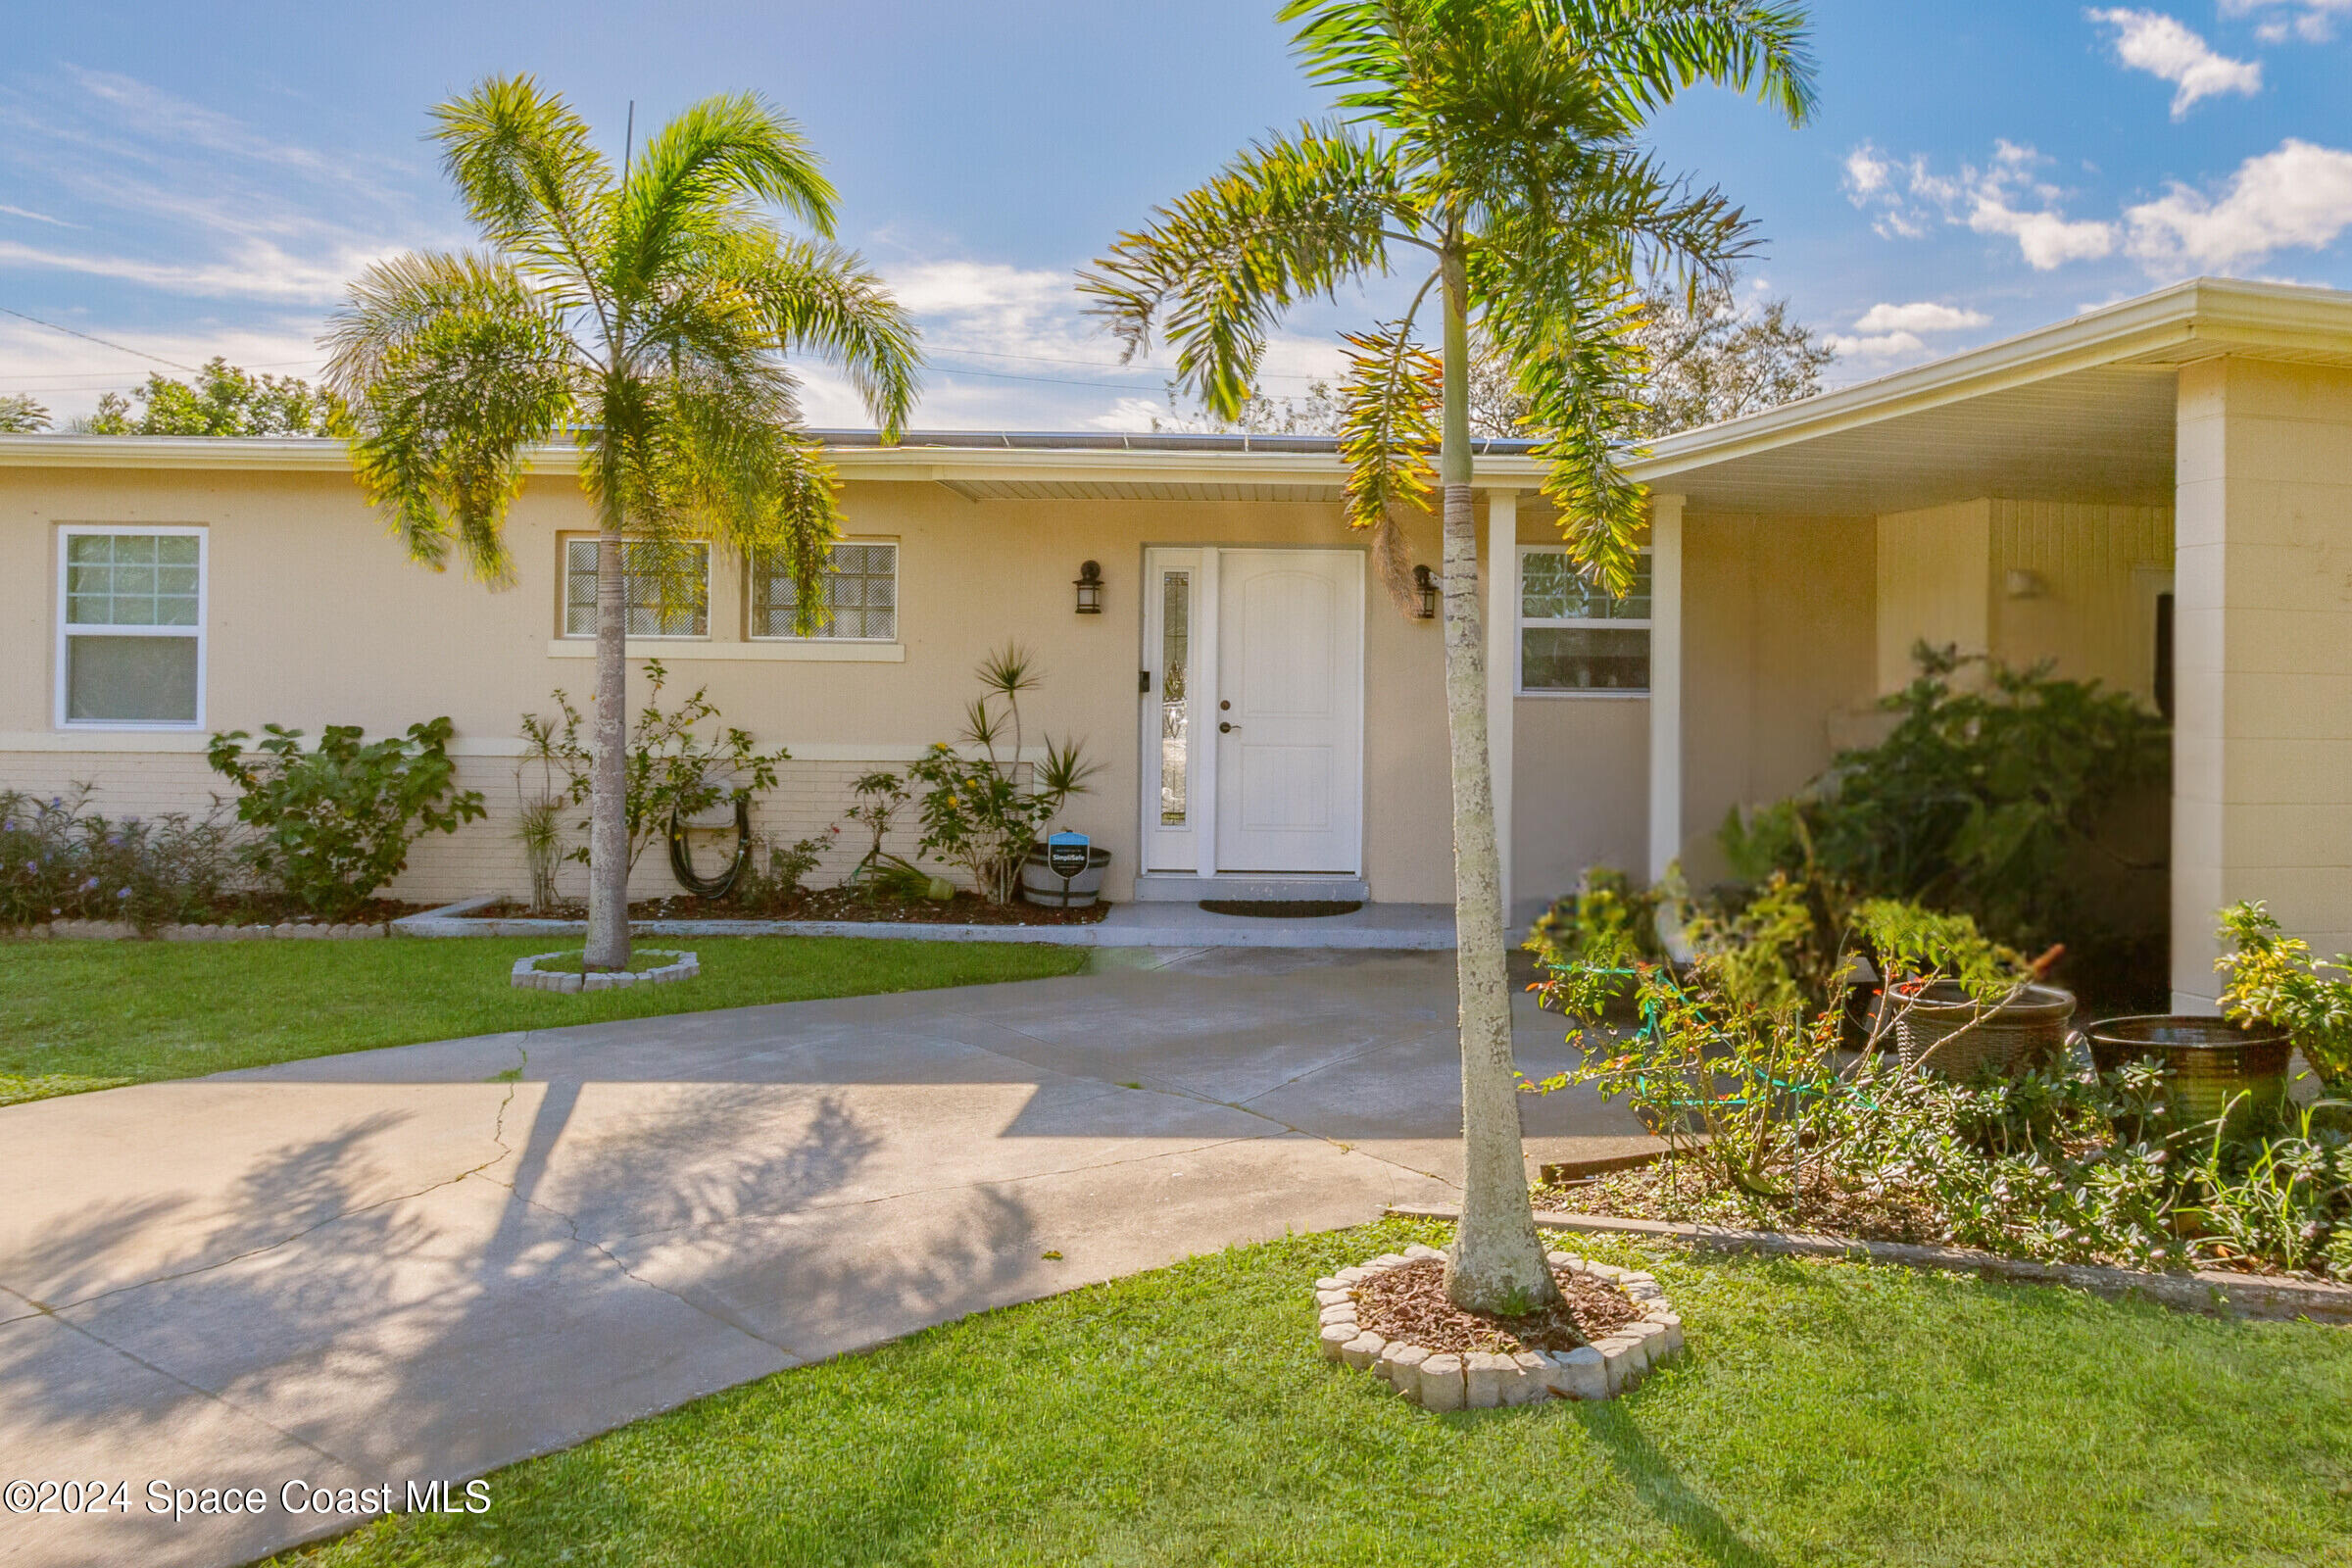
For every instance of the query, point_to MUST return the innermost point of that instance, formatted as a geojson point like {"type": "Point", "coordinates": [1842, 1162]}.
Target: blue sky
{"type": "Point", "coordinates": [186, 180]}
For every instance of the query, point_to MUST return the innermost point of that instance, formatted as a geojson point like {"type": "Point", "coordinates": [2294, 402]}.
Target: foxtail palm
{"type": "Point", "coordinates": [1492, 147]}
{"type": "Point", "coordinates": [647, 314]}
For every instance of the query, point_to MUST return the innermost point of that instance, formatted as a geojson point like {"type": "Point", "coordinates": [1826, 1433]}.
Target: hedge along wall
{"type": "Point", "coordinates": [481, 856]}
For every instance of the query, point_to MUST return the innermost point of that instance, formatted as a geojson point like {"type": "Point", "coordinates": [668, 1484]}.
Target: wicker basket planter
{"type": "Point", "coordinates": [2211, 1066]}
{"type": "Point", "coordinates": [1941, 1027]}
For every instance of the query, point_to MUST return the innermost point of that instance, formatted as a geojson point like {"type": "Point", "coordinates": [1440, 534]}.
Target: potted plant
{"type": "Point", "coordinates": [1064, 872]}
{"type": "Point", "coordinates": [2275, 987]}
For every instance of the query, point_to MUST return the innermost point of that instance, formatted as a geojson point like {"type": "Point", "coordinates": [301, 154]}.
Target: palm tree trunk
{"type": "Point", "coordinates": [1497, 1260]}
{"type": "Point", "coordinates": [608, 762]}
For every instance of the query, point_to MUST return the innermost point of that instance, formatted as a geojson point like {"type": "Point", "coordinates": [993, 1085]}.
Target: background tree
{"type": "Point", "coordinates": [1706, 359]}
{"type": "Point", "coordinates": [221, 399]}
{"type": "Point", "coordinates": [21, 414]}
{"type": "Point", "coordinates": [646, 314]}
{"type": "Point", "coordinates": [1492, 147]}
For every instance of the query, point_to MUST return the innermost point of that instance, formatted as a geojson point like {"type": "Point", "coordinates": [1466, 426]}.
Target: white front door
{"type": "Point", "coordinates": [1289, 710]}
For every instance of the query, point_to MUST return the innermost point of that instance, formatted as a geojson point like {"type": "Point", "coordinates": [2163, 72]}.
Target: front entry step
{"type": "Point", "coordinates": [1169, 887]}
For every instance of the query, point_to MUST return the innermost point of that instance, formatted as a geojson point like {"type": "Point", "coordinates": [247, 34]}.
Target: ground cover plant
{"type": "Point", "coordinates": [1823, 1414]}
{"type": "Point", "coordinates": [76, 1016]}
{"type": "Point", "coordinates": [1784, 1111]}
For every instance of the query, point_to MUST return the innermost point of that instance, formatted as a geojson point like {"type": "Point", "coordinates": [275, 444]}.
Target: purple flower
{"type": "Point", "coordinates": [122, 893]}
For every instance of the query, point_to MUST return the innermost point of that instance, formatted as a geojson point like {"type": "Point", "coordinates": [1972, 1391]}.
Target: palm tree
{"type": "Point", "coordinates": [1492, 147]}
{"type": "Point", "coordinates": [647, 314]}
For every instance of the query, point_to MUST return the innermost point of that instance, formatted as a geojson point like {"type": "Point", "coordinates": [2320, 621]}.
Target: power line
{"type": "Point", "coordinates": [118, 347]}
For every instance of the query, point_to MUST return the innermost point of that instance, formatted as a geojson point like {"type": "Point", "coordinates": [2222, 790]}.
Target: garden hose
{"type": "Point", "coordinates": [681, 856]}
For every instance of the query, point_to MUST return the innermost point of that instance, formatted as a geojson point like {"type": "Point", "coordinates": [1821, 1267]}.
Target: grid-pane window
{"type": "Point", "coordinates": [132, 624]}
{"type": "Point", "coordinates": [862, 596]}
{"type": "Point", "coordinates": [661, 603]}
{"type": "Point", "coordinates": [1574, 634]}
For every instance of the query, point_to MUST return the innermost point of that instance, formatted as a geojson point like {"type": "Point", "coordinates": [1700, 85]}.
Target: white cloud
{"type": "Point", "coordinates": [1907, 198]}
{"type": "Point", "coordinates": [2299, 195]}
{"type": "Point", "coordinates": [1876, 346]}
{"type": "Point", "coordinates": [256, 270]}
{"type": "Point", "coordinates": [2312, 20]}
{"type": "Point", "coordinates": [1888, 332]}
{"type": "Point", "coordinates": [1920, 316]}
{"type": "Point", "coordinates": [2163, 48]}
{"type": "Point", "coordinates": [37, 218]}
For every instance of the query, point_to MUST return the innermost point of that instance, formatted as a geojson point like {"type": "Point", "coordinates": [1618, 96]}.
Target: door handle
{"type": "Point", "coordinates": [1223, 727]}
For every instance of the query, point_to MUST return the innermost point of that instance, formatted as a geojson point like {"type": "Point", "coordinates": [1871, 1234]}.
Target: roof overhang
{"type": "Point", "coordinates": [977, 464]}
{"type": "Point", "coordinates": [2081, 410]}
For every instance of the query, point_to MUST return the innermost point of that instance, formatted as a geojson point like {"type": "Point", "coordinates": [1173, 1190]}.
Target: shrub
{"type": "Point", "coordinates": [984, 812]}
{"type": "Point", "coordinates": [62, 861]}
{"type": "Point", "coordinates": [671, 767]}
{"type": "Point", "coordinates": [2275, 980]}
{"type": "Point", "coordinates": [335, 822]}
{"type": "Point", "coordinates": [1987, 801]}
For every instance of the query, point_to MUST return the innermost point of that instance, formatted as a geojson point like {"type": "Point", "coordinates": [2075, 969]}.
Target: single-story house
{"type": "Point", "coordinates": [1268, 723]}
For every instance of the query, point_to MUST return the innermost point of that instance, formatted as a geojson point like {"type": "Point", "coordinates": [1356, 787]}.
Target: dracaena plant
{"type": "Point", "coordinates": [646, 314]}
{"type": "Point", "coordinates": [1490, 151]}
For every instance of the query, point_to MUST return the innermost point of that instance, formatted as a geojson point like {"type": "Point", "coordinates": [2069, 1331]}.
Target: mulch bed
{"type": "Point", "coordinates": [1410, 1304]}
{"type": "Point", "coordinates": [821, 903]}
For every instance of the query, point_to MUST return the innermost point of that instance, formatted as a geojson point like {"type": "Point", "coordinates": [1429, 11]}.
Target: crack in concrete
{"type": "Point", "coordinates": [498, 1128]}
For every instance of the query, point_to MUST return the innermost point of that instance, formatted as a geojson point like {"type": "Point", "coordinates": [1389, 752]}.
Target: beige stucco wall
{"type": "Point", "coordinates": [2262, 768]}
{"type": "Point", "coordinates": [315, 617]}
{"type": "Point", "coordinates": [1580, 776]}
{"type": "Point", "coordinates": [1778, 638]}
{"type": "Point", "coordinates": [1931, 574]}
{"type": "Point", "coordinates": [2085, 601]}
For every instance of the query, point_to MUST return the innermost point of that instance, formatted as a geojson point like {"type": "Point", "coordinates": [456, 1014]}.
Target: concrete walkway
{"type": "Point", "coordinates": [425, 1262]}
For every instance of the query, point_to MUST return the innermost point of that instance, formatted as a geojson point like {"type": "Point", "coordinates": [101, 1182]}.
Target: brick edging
{"type": "Point", "coordinates": [2254, 1296]}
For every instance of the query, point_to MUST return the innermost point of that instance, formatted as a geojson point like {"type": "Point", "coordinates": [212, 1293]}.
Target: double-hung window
{"type": "Point", "coordinates": [861, 596]}
{"type": "Point", "coordinates": [130, 627]}
{"type": "Point", "coordinates": [1574, 635]}
{"type": "Point", "coordinates": [667, 589]}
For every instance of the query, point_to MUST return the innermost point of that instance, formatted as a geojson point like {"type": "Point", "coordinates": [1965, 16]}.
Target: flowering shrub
{"type": "Point", "coordinates": [60, 861]}
{"type": "Point", "coordinates": [335, 822]}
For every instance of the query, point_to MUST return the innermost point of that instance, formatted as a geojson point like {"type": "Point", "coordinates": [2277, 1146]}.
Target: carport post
{"type": "Point", "coordinates": [1665, 683]}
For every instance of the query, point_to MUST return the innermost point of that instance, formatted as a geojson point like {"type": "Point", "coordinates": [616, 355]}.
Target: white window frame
{"type": "Point", "coordinates": [67, 631]}
{"type": "Point", "coordinates": [1522, 625]}
{"type": "Point", "coordinates": [564, 605]}
{"type": "Point", "coordinates": [898, 611]}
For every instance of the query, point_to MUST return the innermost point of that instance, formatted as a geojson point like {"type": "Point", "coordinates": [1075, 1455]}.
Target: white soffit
{"type": "Point", "coordinates": [2083, 409]}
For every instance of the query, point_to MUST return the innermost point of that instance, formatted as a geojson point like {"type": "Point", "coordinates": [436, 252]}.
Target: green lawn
{"type": "Point", "coordinates": [77, 1016]}
{"type": "Point", "coordinates": [1826, 1414]}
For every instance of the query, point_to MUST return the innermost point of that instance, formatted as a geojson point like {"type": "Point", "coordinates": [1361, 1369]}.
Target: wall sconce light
{"type": "Point", "coordinates": [2019, 583]}
{"type": "Point", "coordinates": [1425, 583]}
{"type": "Point", "coordinates": [1089, 588]}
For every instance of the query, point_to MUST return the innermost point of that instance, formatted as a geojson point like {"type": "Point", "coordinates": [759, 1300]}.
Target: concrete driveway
{"type": "Point", "coordinates": [420, 1263]}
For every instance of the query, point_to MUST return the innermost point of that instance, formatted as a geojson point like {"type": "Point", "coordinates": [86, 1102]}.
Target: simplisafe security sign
{"type": "Point", "coordinates": [1065, 854]}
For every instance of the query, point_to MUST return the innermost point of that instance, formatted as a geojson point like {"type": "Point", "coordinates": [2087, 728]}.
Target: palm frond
{"type": "Point", "coordinates": [700, 176]}
{"type": "Point", "coordinates": [452, 367]}
{"type": "Point", "coordinates": [1390, 402]}
{"type": "Point", "coordinates": [825, 300]}
{"type": "Point", "coordinates": [1652, 49]}
{"type": "Point", "coordinates": [522, 162]}
{"type": "Point", "coordinates": [1293, 218]}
